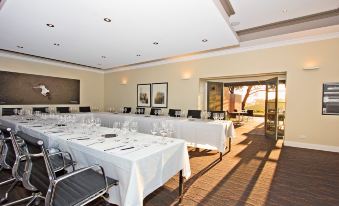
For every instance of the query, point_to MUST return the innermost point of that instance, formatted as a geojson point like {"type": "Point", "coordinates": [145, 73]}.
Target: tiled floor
{"type": "Point", "coordinates": [257, 171]}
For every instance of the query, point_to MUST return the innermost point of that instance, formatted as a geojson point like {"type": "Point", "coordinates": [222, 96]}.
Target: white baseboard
{"type": "Point", "coordinates": [311, 146]}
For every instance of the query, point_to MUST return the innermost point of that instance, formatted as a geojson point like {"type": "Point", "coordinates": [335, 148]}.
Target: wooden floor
{"type": "Point", "coordinates": [257, 171]}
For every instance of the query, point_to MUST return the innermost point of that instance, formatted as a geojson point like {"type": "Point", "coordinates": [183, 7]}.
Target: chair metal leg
{"type": "Point", "coordinates": [20, 201]}
{"type": "Point", "coordinates": [4, 199]}
{"type": "Point", "coordinates": [7, 181]}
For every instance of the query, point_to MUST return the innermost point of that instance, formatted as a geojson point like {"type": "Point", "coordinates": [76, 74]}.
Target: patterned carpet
{"type": "Point", "coordinates": [257, 171]}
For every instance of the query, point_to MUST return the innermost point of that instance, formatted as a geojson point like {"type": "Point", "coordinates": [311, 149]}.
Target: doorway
{"type": "Point", "coordinates": [251, 100]}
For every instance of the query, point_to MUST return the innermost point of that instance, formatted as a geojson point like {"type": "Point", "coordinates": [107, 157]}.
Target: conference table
{"type": "Point", "coordinates": [199, 133]}
{"type": "Point", "coordinates": [141, 162]}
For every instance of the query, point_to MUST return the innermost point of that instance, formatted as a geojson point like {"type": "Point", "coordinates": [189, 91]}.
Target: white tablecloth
{"type": "Point", "coordinates": [205, 134]}
{"type": "Point", "coordinates": [140, 171]}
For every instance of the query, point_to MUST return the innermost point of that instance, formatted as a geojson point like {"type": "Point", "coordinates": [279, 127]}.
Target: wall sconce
{"type": "Point", "coordinates": [311, 68]}
{"type": "Point", "coordinates": [311, 65]}
{"type": "Point", "coordinates": [123, 82]}
{"type": "Point", "coordinates": [186, 76]}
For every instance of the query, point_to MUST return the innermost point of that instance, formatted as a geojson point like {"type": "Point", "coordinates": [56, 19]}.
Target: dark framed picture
{"type": "Point", "coordinates": [144, 95]}
{"type": "Point", "coordinates": [330, 104]}
{"type": "Point", "coordinates": [160, 95]}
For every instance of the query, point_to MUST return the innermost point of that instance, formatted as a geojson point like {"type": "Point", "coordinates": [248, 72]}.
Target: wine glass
{"type": "Point", "coordinates": [221, 116]}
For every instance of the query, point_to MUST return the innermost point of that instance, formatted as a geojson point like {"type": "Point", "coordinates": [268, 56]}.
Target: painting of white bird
{"type": "Point", "coordinates": [44, 90]}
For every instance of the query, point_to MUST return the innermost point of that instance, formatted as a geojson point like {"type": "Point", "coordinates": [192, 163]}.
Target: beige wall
{"type": "Point", "coordinates": [91, 83]}
{"type": "Point", "coordinates": [304, 122]}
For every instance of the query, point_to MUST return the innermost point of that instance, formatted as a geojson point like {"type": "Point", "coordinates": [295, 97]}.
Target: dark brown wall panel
{"type": "Point", "coordinates": [18, 89]}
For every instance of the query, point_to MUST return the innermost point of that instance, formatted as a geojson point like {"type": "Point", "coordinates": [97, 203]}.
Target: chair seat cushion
{"type": "Point", "coordinates": [79, 187]}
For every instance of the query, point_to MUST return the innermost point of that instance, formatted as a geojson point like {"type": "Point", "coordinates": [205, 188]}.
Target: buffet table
{"type": "Point", "coordinates": [141, 162]}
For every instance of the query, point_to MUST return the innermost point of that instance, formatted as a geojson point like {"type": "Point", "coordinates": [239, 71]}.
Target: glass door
{"type": "Point", "coordinates": [215, 96]}
{"type": "Point", "coordinates": [271, 108]}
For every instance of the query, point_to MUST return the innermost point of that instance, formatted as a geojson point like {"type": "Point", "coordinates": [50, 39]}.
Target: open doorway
{"type": "Point", "coordinates": [259, 101]}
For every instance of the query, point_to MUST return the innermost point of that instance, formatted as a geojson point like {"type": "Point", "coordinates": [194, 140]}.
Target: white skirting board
{"type": "Point", "coordinates": [311, 146]}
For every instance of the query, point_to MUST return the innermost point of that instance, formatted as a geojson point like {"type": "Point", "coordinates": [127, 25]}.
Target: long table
{"type": "Point", "coordinates": [205, 134]}
{"type": "Point", "coordinates": [148, 165]}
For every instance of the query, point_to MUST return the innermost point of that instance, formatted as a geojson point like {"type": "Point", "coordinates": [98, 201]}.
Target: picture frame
{"type": "Point", "coordinates": [330, 99]}
{"type": "Point", "coordinates": [144, 95]}
{"type": "Point", "coordinates": [160, 95]}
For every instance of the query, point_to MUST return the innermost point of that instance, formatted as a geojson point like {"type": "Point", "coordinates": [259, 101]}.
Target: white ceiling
{"type": "Point", "coordinates": [179, 26]}
{"type": "Point", "coordinates": [254, 13]}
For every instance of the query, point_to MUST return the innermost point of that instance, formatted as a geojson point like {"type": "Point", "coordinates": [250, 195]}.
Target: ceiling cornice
{"type": "Point", "coordinates": [313, 35]}
{"type": "Point", "coordinates": [226, 4]}
{"type": "Point", "coordinates": [25, 57]}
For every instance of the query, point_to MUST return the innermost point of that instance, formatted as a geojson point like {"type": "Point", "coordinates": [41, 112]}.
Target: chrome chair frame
{"type": "Point", "coordinates": [54, 181]}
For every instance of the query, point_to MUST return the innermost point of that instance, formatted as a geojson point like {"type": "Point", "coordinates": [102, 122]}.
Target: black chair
{"type": "Point", "coordinates": [194, 114]}
{"type": "Point", "coordinates": [249, 114]}
{"type": "Point", "coordinates": [84, 109]}
{"type": "Point", "coordinates": [62, 109]}
{"type": "Point", "coordinates": [40, 109]}
{"type": "Point", "coordinates": [9, 111]}
{"type": "Point", "coordinates": [171, 112]}
{"type": "Point", "coordinates": [127, 110]}
{"type": "Point", "coordinates": [153, 111]}
{"type": "Point", "coordinates": [76, 188]}
{"type": "Point", "coordinates": [218, 112]}
{"type": "Point", "coordinates": [141, 110]}
{"type": "Point", "coordinates": [15, 160]}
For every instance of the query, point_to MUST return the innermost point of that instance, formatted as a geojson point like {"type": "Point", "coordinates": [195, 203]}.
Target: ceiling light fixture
{"type": "Point", "coordinates": [50, 25]}
{"type": "Point", "coordinates": [56, 44]}
{"type": "Point", "coordinates": [104, 57]}
{"type": "Point", "coordinates": [20, 47]}
{"type": "Point", "coordinates": [284, 10]}
{"type": "Point", "coordinates": [138, 55]}
{"type": "Point", "coordinates": [155, 43]}
{"type": "Point", "coordinates": [204, 40]}
{"type": "Point", "coordinates": [107, 20]}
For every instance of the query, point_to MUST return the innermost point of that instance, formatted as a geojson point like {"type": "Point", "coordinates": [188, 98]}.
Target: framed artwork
{"type": "Point", "coordinates": [144, 95]}
{"type": "Point", "coordinates": [160, 95]}
{"type": "Point", "coordinates": [330, 99]}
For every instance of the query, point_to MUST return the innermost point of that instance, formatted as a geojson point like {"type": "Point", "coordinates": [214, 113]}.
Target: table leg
{"type": "Point", "coordinates": [181, 184]}
{"type": "Point", "coordinates": [229, 149]}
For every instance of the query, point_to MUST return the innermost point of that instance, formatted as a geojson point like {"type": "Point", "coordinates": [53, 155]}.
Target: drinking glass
{"type": "Point", "coordinates": [221, 116]}
{"type": "Point", "coordinates": [215, 116]}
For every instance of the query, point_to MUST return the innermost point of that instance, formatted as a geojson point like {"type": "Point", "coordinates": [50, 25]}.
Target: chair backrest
{"type": "Point", "coordinates": [127, 109]}
{"type": "Point", "coordinates": [194, 114]}
{"type": "Point", "coordinates": [171, 112]}
{"type": "Point", "coordinates": [62, 109]}
{"type": "Point", "coordinates": [85, 109]}
{"type": "Point", "coordinates": [153, 111]}
{"type": "Point", "coordinates": [9, 111]}
{"type": "Point", "coordinates": [141, 110]}
{"type": "Point", "coordinates": [218, 112]}
{"type": "Point", "coordinates": [40, 172]}
{"type": "Point", "coordinates": [7, 150]}
{"type": "Point", "coordinates": [250, 112]}
{"type": "Point", "coordinates": [40, 109]}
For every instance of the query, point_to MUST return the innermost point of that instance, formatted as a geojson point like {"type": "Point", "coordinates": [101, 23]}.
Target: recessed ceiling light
{"type": "Point", "coordinates": [138, 55]}
{"type": "Point", "coordinates": [204, 40]}
{"type": "Point", "coordinates": [155, 43]}
{"type": "Point", "coordinates": [107, 20]}
{"type": "Point", "coordinates": [20, 47]}
{"type": "Point", "coordinates": [56, 44]}
{"type": "Point", "coordinates": [235, 23]}
{"type": "Point", "coordinates": [284, 10]}
{"type": "Point", "coordinates": [50, 25]}
{"type": "Point", "coordinates": [99, 64]}
{"type": "Point", "coordinates": [104, 57]}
